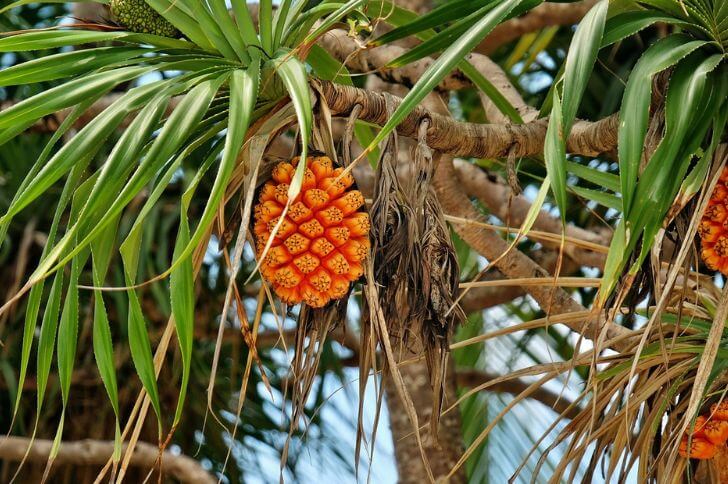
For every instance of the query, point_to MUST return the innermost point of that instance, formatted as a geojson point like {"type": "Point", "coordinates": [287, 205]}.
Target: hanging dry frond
{"type": "Point", "coordinates": [414, 261]}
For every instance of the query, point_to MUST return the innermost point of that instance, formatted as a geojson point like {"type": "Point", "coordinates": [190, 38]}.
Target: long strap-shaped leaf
{"type": "Point", "coordinates": [444, 64]}
{"type": "Point", "coordinates": [102, 250]}
{"type": "Point", "coordinates": [49, 39]}
{"type": "Point", "coordinates": [86, 143]}
{"type": "Point", "coordinates": [181, 284]}
{"type": "Point", "coordinates": [634, 112]}
{"type": "Point", "coordinates": [243, 96]}
{"type": "Point", "coordinates": [34, 299]}
{"type": "Point", "coordinates": [294, 76]}
{"type": "Point", "coordinates": [66, 64]}
{"type": "Point", "coordinates": [28, 111]}
{"type": "Point", "coordinates": [229, 29]}
{"type": "Point", "coordinates": [177, 129]}
{"type": "Point", "coordinates": [183, 21]}
{"type": "Point", "coordinates": [245, 22]}
{"type": "Point", "coordinates": [660, 181]}
{"type": "Point", "coordinates": [579, 64]}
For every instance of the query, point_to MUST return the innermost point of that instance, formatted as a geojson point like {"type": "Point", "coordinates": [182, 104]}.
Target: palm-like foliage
{"type": "Point", "coordinates": [187, 128]}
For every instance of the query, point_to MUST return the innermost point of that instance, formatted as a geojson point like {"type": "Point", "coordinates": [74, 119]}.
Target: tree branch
{"type": "Point", "coordinates": [494, 194]}
{"type": "Point", "coordinates": [513, 263]}
{"type": "Point", "coordinates": [358, 58]}
{"type": "Point", "coordinates": [462, 139]}
{"type": "Point", "coordinates": [97, 452]}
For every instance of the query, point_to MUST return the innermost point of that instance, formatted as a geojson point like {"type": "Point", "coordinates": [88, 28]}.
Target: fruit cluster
{"type": "Point", "coordinates": [320, 245]}
{"type": "Point", "coordinates": [709, 433]}
{"type": "Point", "coordinates": [138, 16]}
{"type": "Point", "coordinates": [713, 228]}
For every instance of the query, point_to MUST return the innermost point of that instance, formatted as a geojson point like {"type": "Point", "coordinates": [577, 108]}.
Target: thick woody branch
{"type": "Point", "coordinates": [513, 263]}
{"type": "Point", "coordinates": [96, 452]}
{"type": "Point", "coordinates": [545, 15]}
{"type": "Point", "coordinates": [462, 139]}
{"type": "Point", "coordinates": [494, 194]}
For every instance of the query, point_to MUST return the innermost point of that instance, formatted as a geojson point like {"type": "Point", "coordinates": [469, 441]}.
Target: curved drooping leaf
{"type": "Point", "coordinates": [578, 67]}
{"type": "Point", "coordinates": [634, 113]}
{"type": "Point", "coordinates": [444, 64]}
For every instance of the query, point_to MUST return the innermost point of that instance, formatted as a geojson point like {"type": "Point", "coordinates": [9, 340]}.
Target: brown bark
{"type": "Point", "coordinates": [495, 193]}
{"type": "Point", "coordinates": [553, 300]}
{"type": "Point", "coordinates": [442, 455]}
{"type": "Point", "coordinates": [364, 60]}
{"type": "Point", "coordinates": [462, 139]}
{"type": "Point", "coordinates": [96, 452]}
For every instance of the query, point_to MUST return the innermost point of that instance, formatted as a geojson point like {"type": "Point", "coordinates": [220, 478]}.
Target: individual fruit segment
{"type": "Point", "coordinates": [697, 448]}
{"type": "Point", "coordinates": [713, 228]}
{"type": "Point", "coordinates": [709, 433]}
{"type": "Point", "coordinates": [323, 239]}
{"type": "Point", "coordinates": [719, 411]}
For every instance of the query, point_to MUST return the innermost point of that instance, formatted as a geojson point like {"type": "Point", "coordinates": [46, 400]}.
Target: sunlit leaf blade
{"type": "Point", "coordinates": [265, 24]}
{"type": "Point", "coordinates": [602, 198]}
{"type": "Point", "coordinates": [48, 39]}
{"type": "Point", "coordinates": [141, 352]}
{"type": "Point", "coordinates": [629, 23]}
{"type": "Point", "coordinates": [330, 20]}
{"type": "Point", "coordinates": [182, 294]}
{"type": "Point", "coordinates": [580, 61]}
{"type": "Point", "coordinates": [102, 250]}
{"type": "Point", "coordinates": [554, 152]}
{"type": "Point", "coordinates": [66, 64]}
{"type": "Point", "coordinates": [69, 94]}
{"type": "Point", "coordinates": [491, 91]}
{"type": "Point", "coordinates": [661, 179]}
{"type": "Point", "coordinates": [86, 143]}
{"type": "Point", "coordinates": [36, 293]}
{"type": "Point", "coordinates": [229, 29]}
{"type": "Point", "coordinates": [189, 26]}
{"type": "Point", "coordinates": [213, 30]}
{"type": "Point", "coordinates": [294, 76]}
{"type": "Point", "coordinates": [243, 96]}
{"type": "Point", "coordinates": [47, 338]}
{"type": "Point", "coordinates": [245, 22]}
{"type": "Point", "coordinates": [594, 175]}
{"type": "Point", "coordinates": [435, 18]}
{"type": "Point", "coordinates": [579, 64]}
{"type": "Point", "coordinates": [444, 64]}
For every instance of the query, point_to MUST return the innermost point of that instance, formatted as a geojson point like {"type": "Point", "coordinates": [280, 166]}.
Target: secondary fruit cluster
{"type": "Point", "coordinates": [320, 246]}
{"type": "Point", "coordinates": [138, 16]}
{"type": "Point", "coordinates": [709, 433]}
{"type": "Point", "coordinates": [713, 228]}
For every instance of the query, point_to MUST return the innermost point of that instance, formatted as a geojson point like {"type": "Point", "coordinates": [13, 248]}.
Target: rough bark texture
{"type": "Point", "coordinates": [494, 194]}
{"type": "Point", "coordinates": [514, 263]}
{"type": "Point", "coordinates": [95, 452]}
{"type": "Point", "coordinates": [442, 455]}
{"type": "Point", "coordinates": [456, 138]}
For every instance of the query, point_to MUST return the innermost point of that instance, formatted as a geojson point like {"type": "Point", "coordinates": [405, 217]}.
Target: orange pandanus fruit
{"type": "Point", "coordinates": [320, 246]}
{"type": "Point", "coordinates": [713, 228]}
{"type": "Point", "coordinates": [709, 433]}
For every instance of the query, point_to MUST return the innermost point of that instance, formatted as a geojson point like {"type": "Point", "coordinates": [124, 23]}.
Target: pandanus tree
{"type": "Point", "coordinates": [187, 162]}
